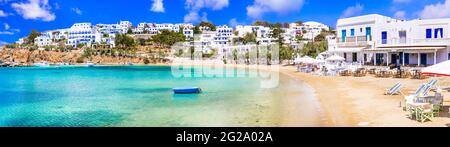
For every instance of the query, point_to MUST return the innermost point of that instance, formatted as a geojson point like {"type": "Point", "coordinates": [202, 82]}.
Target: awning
{"type": "Point", "coordinates": [346, 50]}
{"type": "Point", "coordinates": [396, 49]}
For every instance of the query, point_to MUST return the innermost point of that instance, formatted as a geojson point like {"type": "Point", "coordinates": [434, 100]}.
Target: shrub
{"type": "Point", "coordinates": [146, 61]}
{"type": "Point", "coordinates": [80, 60]}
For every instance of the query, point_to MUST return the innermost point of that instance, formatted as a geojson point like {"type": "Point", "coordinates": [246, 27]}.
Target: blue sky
{"type": "Point", "coordinates": [18, 17]}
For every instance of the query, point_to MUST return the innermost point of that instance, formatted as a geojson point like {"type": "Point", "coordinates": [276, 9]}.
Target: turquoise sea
{"type": "Point", "coordinates": [138, 96]}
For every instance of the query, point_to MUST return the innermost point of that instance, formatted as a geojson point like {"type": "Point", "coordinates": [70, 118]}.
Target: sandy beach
{"type": "Point", "coordinates": [360, 102]}
{"type": "Point", "coordinates": [348, 101]}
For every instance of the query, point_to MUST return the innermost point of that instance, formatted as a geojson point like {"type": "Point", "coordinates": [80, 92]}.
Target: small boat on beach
{"type": "Point", "coordinates": [41, 64]}
{"type": "Point", "coordinates": [90, 64]}
{"type": "Point", "coordinates": [187, 90]}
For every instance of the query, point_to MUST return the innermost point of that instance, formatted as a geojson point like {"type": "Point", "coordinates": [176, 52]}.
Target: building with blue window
{"type": "Point", "coordinates": [380, 40]}
{"type": "Point", "coordinates": [83, 33]}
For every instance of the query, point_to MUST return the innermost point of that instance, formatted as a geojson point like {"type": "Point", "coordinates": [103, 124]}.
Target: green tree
{"type": "Point", "coordinates": [33, 35]}
{"type": "Point", "coordinates": [130, 31]}
{"type": "Point", "coordinates": [313, 49]}
{"type": "Point", "coordinates": [249, 38]}
{"type": "Point", "coordinates": [124, 41]}
{"type": "Point", "coordinates": [208, 24]}
{"type": "Point", "coordinates": [262, 23]}
{"type": "Point", "coordinates": [168, 38]}
{"type": "Point", "coordinates": [235, 55]}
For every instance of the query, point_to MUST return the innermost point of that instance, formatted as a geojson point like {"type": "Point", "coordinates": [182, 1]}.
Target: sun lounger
{"type": "Point", "coordinates": [394, 90]}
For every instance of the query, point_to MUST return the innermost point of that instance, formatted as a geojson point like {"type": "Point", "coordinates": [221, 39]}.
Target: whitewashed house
{"type": "Point", "coordinates": [381, 40]}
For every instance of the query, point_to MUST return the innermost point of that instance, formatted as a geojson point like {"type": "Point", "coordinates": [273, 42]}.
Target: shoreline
{"type": "Point", "coordinates": [342, 101]}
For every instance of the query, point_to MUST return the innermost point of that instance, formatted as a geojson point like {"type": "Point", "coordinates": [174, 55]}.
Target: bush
{"type": "Point", "coordinates": [80, 60]}
{"type": "Point", "coordinates": [146, 61]}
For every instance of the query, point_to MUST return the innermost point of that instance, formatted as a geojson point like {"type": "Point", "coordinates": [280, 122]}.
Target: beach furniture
{"type": "Point", "coordinates": [433, 84]}
{"type": "Point", "coordinates": [394, 90]}
{"type": "Point", "coordinates": [187, 90]}
{"type": "Point", "coordinates": [425, 112]}
{"type": "Point", "coordinates": [413, 97]}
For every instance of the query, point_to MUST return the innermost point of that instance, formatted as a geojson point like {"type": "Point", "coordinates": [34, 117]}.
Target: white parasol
{"type": "Point", "coordinates": [441, 69]}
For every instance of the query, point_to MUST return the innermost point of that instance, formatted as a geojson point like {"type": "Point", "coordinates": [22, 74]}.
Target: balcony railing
{"type": "Point", "coordinates": [409, 41]}
{"type": "Point", "coordinates": [354, 41]}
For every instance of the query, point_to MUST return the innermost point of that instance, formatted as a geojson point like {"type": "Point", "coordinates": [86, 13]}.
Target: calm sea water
{"type": "Point", "coordinates": [132, 96]}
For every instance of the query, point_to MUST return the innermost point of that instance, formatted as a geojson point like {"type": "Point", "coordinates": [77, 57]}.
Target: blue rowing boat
{"type": "Point", "coordinates": [187, 90]}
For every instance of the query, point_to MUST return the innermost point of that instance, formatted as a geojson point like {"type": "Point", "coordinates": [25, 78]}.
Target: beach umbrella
{"type": "Point", "coordinates": [335, 58]}
{"type": "Point", "coordinates": [441, 69]}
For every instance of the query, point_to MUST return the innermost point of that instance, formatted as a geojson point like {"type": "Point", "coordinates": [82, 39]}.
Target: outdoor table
{"type": "Point", "coordinates": [372, 70]}
{"type": "Point", "coordinates": [416, 74]}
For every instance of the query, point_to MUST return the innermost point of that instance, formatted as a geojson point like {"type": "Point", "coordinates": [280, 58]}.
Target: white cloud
{"type": "Point", "coordinates": [352, 11]}
{"type": "Point", "coordinates": [233, 22]}
{"type": "Point", "coordinates": [439, 10]}
{"type": "Point", "coordinates": [401, 1]}
{"type": "Point", "coordinates": [3, 14]}
{"type": "Point", "coordinates": [400, 15]}
{"type": "Point", "coordinates": [77, 11]}
{"type": "Point", "coordinates": [260, 7]}
{"type": "Point", "coordinates": [6, 26]}
{"type": "Point", "coordinates": [158, 6]}
{"type": "Point", "coordinates": [34, 9]}
{"type": "Point", "coordinates": [194, 17]}
{"type": "Point", "coordinates": [211, 4]}
{"type": "Point", "coordinates": [6, 33]}
{"type": "Point", "coordinates": [8, 30]}
{"type": "Point", "coordinates": [57, 7]}
{"type": "Point", "coordinates": [3, 43]}
{"type": "Point", "coordinates": [195, 6]}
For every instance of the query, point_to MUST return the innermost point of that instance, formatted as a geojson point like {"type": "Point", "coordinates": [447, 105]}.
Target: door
{"type": "Point", "coordinates": [379, 58]}
{"type": "Point", "coordinates": [394, 58]}
{"type": "Point", "coordinates": [406, 58]}
{"type": "Point", "coordinates": [423, 59]}
{"type": "Point", "coordinates": [355, 57]}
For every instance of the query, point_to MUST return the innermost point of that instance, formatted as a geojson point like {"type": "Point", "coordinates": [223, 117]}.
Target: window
{"type": "Point", "coordinates": [360, 30]}
{"type": "Point", "coordinates": [369, 33]}
{"type": "Point", "coordinates": [428, 33]}
{"type": "Point", "coordinates": [344, 35]}
{"type": "Point", "coordinates": [352, 32]}
{"type": "Point", "coordinates": [384, 37]}
{"type": "Point", "coordinates": [439, 33]}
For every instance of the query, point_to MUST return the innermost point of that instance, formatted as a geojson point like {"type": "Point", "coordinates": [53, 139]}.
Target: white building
{"type": "Point", "coordinates": [83, 33]}
{"type": "Point", "coordinates": [126, 24]}
{"type": "Point", "coordinates": [223, 35]}
{"type": "Point", "coordinates": [381, 40]}
{"type": "Point", "coordinates": [313, 29]}
{"type": "Point", "coordinates": [43, 40]}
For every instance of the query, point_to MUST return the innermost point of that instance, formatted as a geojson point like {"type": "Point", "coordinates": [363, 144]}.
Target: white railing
{"type": "Point", "coordinates": [409, 41]}
{"type": "Point", "coordinates": [354, 41]}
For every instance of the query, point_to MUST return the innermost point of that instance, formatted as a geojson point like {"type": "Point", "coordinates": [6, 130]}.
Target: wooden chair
{"type": "Point", "coordinates": [425, 113]}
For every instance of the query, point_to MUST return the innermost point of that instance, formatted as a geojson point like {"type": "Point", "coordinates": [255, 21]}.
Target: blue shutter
{"type": "Point", "coordinates": [384, 37]}
{"type": "Point", "coordinates": [428, 33]}
{"type": "Point", "coordinates": [344, 35]}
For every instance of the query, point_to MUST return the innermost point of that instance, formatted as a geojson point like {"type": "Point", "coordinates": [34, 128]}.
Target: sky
{"type": "Point", "coordinates": [19, 17]}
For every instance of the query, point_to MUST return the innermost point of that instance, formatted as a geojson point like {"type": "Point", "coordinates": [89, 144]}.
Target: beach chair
{"type": "Point", "coordinates": [425, 113]}
{"type": "Point", "coordinates": [433, 84]}
{"type": "Point", "coordinates": [413, 97]}
{"type": "Point", "coordinates": [394, 90]}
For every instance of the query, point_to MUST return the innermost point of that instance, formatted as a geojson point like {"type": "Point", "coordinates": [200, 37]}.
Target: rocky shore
{"type": "Point", "coordinates": [25, 57]}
